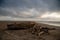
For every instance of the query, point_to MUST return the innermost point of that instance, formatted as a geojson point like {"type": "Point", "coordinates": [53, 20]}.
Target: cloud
{"type": "Point", "coordinates": [28, 8]}
{"type": "Point", "coordinates": [28, 13]}
{"type": "Point", "coordinates": [51, 15]}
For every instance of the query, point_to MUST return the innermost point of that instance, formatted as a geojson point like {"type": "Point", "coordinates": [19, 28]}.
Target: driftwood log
{"type": "Point", "coordinates": [38, 30]}
{"type": "Point", "coordinates": [22, 25]}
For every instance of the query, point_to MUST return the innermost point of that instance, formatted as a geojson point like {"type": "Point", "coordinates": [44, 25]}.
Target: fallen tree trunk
{"type": "Point", "coordinates": [23, 25]}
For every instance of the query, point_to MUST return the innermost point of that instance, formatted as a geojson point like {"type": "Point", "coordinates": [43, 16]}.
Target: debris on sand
{"type": "Point", "coordinates": [30, 31]}
{"type": "Point", "coordinates": [39, 30]}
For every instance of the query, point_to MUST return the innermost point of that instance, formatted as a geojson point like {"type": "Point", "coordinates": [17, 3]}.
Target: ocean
{"type": "Point", "coordinates": [50, 23]}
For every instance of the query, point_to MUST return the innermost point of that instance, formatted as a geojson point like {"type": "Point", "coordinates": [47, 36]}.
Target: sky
{"type": "Point", "coordinates": [29, 9]}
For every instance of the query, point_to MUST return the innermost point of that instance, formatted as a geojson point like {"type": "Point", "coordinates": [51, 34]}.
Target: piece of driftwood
{"type": "Point", "coordinates": [23, 25]}
{"type": "Point", "coordinates": [39, 30]}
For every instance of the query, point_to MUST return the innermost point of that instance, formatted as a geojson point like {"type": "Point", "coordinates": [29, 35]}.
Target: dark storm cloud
{"type": "Point", "coordinates": [27, 8]}
{"type": "Point", "coordinates": [51, 4]}
{"type": "Point", "coordinates": [1, 2]}
{"type": "Point", "coordinates": [58, 5]}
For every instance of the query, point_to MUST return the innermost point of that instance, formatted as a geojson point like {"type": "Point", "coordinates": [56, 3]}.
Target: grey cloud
{"type": "Point", "coordinates": [50, 4]}
{"type": "Point", "coordinates": [15, 8]}
{"type": "Point", "coordinates": [27, 13]}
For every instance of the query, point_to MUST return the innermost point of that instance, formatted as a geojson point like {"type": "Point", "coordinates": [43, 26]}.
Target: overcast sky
{"type": "Point", "coordinates": [33, 9]}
